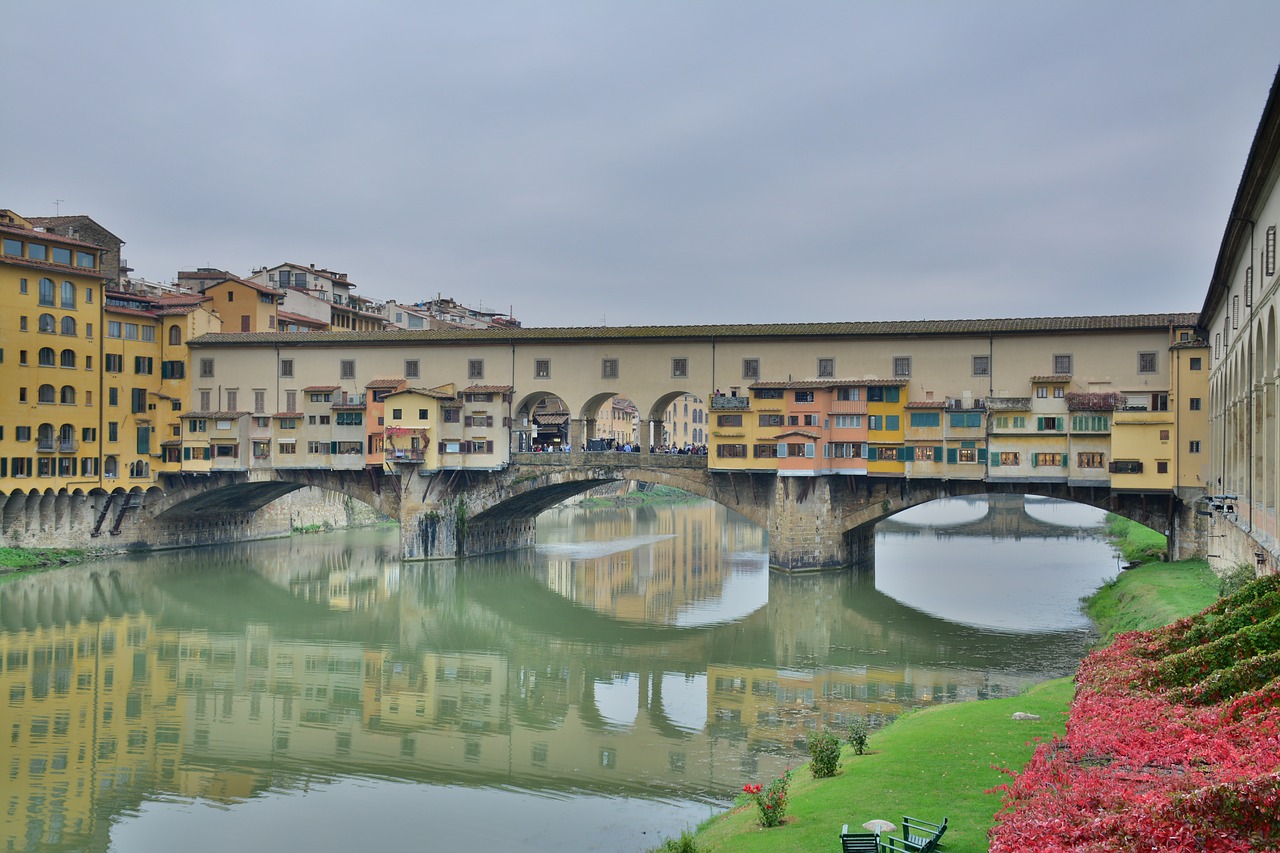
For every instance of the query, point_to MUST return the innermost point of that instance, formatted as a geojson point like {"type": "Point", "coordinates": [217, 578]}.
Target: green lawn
{"type": "Point", "coordinates": [930, 764]}
{"type": "Point", "coordinates": [940, 762]}
{"type": "Point", "coordinates": [1152, 595]}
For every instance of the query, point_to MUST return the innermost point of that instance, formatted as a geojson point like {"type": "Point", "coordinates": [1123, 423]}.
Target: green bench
{"type": "Point", "coordinates": [922, 835]}
{"type": "Point", "coordinates": [858, 842]}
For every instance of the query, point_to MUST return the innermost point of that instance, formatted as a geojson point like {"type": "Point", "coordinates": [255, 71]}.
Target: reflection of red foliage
{"type": "Point", "coordinates": [1168, 747]}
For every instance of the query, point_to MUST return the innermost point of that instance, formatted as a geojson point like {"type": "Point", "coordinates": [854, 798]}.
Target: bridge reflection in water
{"type": "Point", "coordinates": [645, 654]}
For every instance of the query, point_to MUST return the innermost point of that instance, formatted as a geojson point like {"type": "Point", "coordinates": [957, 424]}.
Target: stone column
{"type": "Point", "coordinates": [578, 434]}
{"type": "Point", "coordinates": [802, 532]}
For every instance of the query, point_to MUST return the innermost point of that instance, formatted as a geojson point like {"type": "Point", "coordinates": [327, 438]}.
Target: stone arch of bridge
{"type": "Point", "coordinates": [530, 489]}
{"type": "Point", "coordinates": [237, 493]}
{"type": "Point", "coordinates": [861, 516]}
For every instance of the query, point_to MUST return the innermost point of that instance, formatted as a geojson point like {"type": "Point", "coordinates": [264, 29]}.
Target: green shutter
{"type": "Point", "coordinates": [873, 454]}
{"type": "Point", "coordinates": [937, 454]}
{"type": "Point", "coordinates": [995, 459]}
{"type": "Point", "coordinates": [1033, 461]}
{"type": "Point", "coordinates": [1064, 460]}
{"type": "Point", "coordinates": [952, 455]}
{"type": "Point", "coordinates": [982, 454]}
{"type": "Point", "coordinates": [1040, 424]}
{"type": "Point", "coordinates": [902, 454]}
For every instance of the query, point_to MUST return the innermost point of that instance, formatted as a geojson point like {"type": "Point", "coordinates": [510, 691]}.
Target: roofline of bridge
{"type": "Point", "coordinates": [869, 329]}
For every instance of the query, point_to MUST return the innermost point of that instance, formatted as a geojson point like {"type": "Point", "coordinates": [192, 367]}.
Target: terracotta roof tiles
{"type": "Point", "coordinates": [865, 329]}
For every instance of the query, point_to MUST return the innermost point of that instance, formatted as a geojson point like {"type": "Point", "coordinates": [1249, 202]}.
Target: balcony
{"type": "Point", "coordinates": [406, 455]}
{"type": "Point", "coordinates": [68, 445]}
{"type": "Point", "coordinates": [44, 445]}
{"type": "Point", "coordinates": [730, 404]}
{"type": "Point", "coordinates": [1009, 404]}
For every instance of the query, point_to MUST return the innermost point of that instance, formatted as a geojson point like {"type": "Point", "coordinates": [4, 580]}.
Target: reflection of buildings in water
{"type": "Point", "coordinates": [355, 575]}
{"type": "Point", "coordinates": [655, 581]}
{"type": "Point", "coordinates": [94, 719]}
{"type": "Point", "coordinates": [778, 708]}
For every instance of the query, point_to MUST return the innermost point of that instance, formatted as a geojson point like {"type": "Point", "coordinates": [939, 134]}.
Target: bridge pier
{"type": "Point", "coordinates": [804, 533]}
{"type": "Point", "coordinates": [449, 531]}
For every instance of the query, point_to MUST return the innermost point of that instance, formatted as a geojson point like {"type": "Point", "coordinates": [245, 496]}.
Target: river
{"type": "Point", "coordinates": [616, 685]}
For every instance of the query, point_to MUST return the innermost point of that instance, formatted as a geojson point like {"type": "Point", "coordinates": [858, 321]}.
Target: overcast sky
{"type": "Point", "coordinates": [630, 163]}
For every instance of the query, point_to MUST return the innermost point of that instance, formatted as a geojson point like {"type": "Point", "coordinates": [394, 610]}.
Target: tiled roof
{"type": "Point", "coordinates": [171, 442]}
{"type": "Point", "coordinates": [61, 269]}
{"type": "Point", "coordinates": [487, 389]}
{"type": "Point", "coordinates": [132, 312]}
{"type": "Point", "coordinates": [301, 319]}
{"type": "Point", "coordinates": [358, 407]}
{"type": "Point", "coordinates": [217, 415]}
{"type": "Point", "coordinates": [261, 288]}
{"type": "Point", "coordinates": [288, 415]}
{"type": "Point", "coordinates": [551, 418]}
{"type": "Point", "coordinates": [928, 404]}
{"type": "Point", "coordinates": [866, 329]}
{"type": "Point", "coordinates": [311, 388]}
{"type": "Point", "coordinates": [384, 383]}
{"type": "Point", "coordinates": [70, 219]}
{"type": "Point", "coordinates": [1058, 378]}
{"type": "Point", "coordinates": [46, 236]}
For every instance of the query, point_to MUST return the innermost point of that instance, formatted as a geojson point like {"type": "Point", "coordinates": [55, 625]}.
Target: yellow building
{"type": "Point", "coordinates": [50, 337]}
{"type": "Point", "coordinates": [1190, 371]}
{"type": "Point", "coordinates": [414, 417]}
{"type": "Point", "coordinates": [245, 306]}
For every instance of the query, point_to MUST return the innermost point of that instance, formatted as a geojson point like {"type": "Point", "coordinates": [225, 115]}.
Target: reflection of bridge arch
{"type": "Point", "coordinates": [1005, 515]}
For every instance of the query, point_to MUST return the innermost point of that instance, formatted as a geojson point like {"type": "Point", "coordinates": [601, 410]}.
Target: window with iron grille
{"type": "Point", "coordinates": [1062, 365]}
{"type": "Point", "coordinates": [347, 368]}
{"type": "Point", "coordinates": [475, 368]}
{"type": "Point", "coordinates": [609, 368]}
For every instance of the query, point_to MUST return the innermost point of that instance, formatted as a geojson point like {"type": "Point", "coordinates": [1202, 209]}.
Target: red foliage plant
{"type": "Point", "coordinates": [1141, 766]}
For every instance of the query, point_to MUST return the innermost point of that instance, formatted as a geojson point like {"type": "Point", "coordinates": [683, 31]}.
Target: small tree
{"type": "Point", "coordinates": [824, 754]}
{"type": "Point", "coordinates": [858, 732]}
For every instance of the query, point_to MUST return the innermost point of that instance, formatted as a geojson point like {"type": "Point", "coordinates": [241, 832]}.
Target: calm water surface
{"type": "Point", "coordinates": [617, 685]}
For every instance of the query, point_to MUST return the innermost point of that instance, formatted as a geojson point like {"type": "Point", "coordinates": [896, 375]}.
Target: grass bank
{"type": "Point", "coordinates": [1136, 543]}
{"type": "Point", "coordinates": [942, 761]}
{"type": "Point", "coordinates": [656, 496]}
{"type": "Point", "coordinates": [1150, 596]}
{"type": "Point", "coordinates": [15, 561]}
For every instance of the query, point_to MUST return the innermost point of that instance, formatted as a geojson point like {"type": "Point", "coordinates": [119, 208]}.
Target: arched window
{"type": "Point", "coordinates": [46, 291]}
{"type": "Point", "coordinates": [67, 438]}
{"type": "Point", "coordinates": [141, 468]}
{"type": "Point", "coordinates": [48, 324]}
{"type": "Point", "coordinates": [44, 437]}
{"type": "Point", "coordinates": [67, 396]}
{"type": "Point", "coordinates": [68, 295]}
{"type": "Point", "coordinates": [68, 358]}
{"type": "Point", "coordinates": [111, 467]}
{"type": "Point", "coordinates": [47, 394]}
{"type": "Point", "coordinates": [68, 325]}
{"type": "Point", "coordinates": [47, 357]}
{"type": "Point", "coordinates": [175, 335]}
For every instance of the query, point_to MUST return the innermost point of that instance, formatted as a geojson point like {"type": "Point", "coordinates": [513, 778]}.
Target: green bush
{"type": "Point", "coordinates": [858, 733]}
{"type": "Point", "coordinates": [1196, 664]}
{"type": "Point", "coordinates": [1235, 579]}
{"type": "Point", "coordinates": [824, 754]}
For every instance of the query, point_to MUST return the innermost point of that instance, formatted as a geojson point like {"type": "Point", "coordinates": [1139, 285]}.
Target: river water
{"type": "Point", "coordinates": [611, 688]}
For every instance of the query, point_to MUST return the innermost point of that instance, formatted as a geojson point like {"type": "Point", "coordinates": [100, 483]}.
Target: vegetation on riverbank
{"type": "Point", "coordinates": [1171, 742]}
{"type": "Point", "coordinates": [1150, 596]}
{"type": "Point", "coordinates": [17, 560]}
{"type": "Point", "coordinates": [1137, 544]}
{"type": "Point", "coordinates": [655, 496]}
{"type": "Point", "coordinates": [944, 761]}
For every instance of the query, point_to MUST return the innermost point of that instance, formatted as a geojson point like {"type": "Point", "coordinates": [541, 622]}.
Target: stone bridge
{"type": "Point", "coordinates": [812, 522]}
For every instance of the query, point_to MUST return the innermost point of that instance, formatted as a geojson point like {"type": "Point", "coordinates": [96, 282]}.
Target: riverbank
{"type": "Point", "coordinates": [943, 761]}
{"type": "Point", "coordinates": [656, 496]}
{"type": "Point", "coordinates": [18, 561]}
